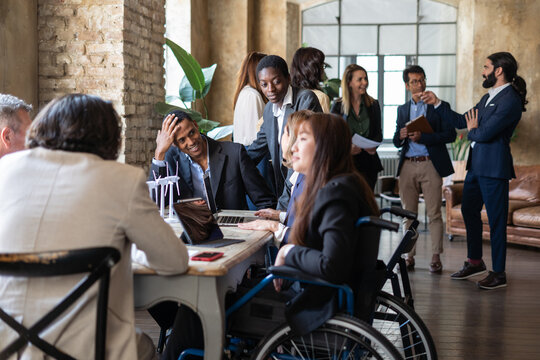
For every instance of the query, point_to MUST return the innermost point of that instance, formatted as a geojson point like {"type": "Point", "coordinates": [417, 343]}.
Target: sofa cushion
{"type": "Point", "coordinates": [526, 185]}
{"type": "Point", "coordinates": [528, 217]}
{"type": "Point", "coordinates": [513, 205]}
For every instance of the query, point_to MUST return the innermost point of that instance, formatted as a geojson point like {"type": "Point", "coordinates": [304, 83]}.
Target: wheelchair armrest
{"type": "Point", "coordinates": [377, 222]}
{"type": "Point", "coordinates": [398, 211]}
{"type": "Point", "coordinates": [292, 273]}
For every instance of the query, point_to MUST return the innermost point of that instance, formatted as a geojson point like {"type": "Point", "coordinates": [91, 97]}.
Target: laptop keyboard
{"type": "Point", "coordinates": [230, 219]}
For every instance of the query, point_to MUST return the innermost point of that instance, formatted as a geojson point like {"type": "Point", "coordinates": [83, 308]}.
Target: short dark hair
{"type": "Point", "coordinates": [307, 68]}
{"type": "Point", "coordinates": [78, 123]}
{"type": "Point", "coordinates": [179, 114]}
{"type": "Point", "coordinates": [275, 62]}
{"type": "Point", "coordinates": [415, 69]}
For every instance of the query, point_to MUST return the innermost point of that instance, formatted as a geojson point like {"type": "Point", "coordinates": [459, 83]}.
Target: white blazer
{"type": "Point", "coordinates": [54, 200]}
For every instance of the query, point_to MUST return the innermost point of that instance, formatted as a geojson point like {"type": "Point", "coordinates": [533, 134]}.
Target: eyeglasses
{"type": "Point", "coordinates": [416, 82]}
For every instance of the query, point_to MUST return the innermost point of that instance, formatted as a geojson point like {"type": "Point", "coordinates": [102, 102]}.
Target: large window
{"type": "Point", "coordinates": [385, 36]}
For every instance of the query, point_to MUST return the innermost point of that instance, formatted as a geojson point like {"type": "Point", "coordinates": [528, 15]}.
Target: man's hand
{"type": "Point", "coordinates": [415, 136]}
{"type": "Point", "coordinates": [430, 98]}
{"type": "Point", "coordinates": [271, 214]}
{"type": "Point", "coordinates": [165, 136]}
{"type": "Point", "coordinates": [371, 151]}
{"type": "Point", "coordinates": [280, 261]}
{"type": "Point", "coordinates": [472, 119]}
{"type": "Point", "coordinates": [403, 134]}
{"type": "Point", "coordinates": [355, 150]}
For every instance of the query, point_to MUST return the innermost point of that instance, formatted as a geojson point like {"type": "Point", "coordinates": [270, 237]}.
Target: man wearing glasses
{"type": "Point", "coordinates": [424, 161]}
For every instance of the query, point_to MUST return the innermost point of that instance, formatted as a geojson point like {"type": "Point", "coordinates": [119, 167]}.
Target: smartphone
{"type": "Point", "coordinates": [207, 256]}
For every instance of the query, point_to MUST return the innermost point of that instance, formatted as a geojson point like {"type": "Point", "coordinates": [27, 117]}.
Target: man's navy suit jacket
{"type": "Point", "coordinates": [232, 175]}
{"type": "Point", "coordinates": [443, 132]}
{"type": "Point", "coordinates": [490, 156]}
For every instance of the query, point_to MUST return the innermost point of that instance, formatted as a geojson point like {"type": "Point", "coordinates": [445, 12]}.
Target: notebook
{"type": "Point", "coordinates": [200, 227]}
{"type": "Point", "coordinates": [419, 124]}
{"type": "Point", "coordinates": [225, 217]}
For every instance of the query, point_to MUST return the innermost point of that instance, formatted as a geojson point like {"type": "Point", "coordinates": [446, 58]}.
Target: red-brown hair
{"type": "Point", "coordinates": [247, 75]}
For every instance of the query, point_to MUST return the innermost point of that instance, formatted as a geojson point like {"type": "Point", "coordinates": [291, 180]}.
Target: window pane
{"type": "Point", "coordinates": [447, 94]}
{"type": "Point", "coordinates": [397, 39]}
{"type": "Point", "coordinates": [389, 121]}
{"type": "Point", "coordinates": [322, 14]}
{"type": "Point", "coordinates": [431, 11]}
{"type": "Point", "coordinates": [437, 39]}
{"type": "Point", "coordinates": [378, 12]}
{"type": "Point", "coordinates": [440, 70]}
{"type": "Point", "coordinates": [323, 38]}
{"type": "Point", "coordinates": [332, 72]}
{"type": "Point", "coordinates": [394, 89]}
{"type": "Point", "coordinates": [394, 63]}
{"type": "Point", "coordinates": [370, 63]}
{"type": "Point", "coordinates": [358, 40]}
{"type": "Point", "coordinates": [373, 86]}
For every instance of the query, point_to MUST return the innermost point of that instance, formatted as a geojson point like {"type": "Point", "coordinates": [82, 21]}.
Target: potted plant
{"type": "Point", "coordinates": [460, 153]}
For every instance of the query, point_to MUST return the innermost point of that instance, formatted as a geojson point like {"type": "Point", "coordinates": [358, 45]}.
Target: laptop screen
{"type": "Point", "coordinates": [198, 222]}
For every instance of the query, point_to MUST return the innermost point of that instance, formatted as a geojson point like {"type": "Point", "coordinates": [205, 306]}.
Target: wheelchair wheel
{"type": "Point", "coordinates": [403, 327]}
{"type": "Point", "coordinates": [341, 337]}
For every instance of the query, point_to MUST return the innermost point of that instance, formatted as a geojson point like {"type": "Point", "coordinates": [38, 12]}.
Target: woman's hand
{"type": "Point", "coordinates": [271, 214]}
{"type": "Point", "coordinates": [280, 261]}
{"type": "Point", "coordinates": [355, 150]}
{"type": "Point", "coordinates": [264, 225]}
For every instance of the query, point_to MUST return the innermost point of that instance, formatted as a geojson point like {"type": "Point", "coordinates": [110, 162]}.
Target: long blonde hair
{"type": "Point", "coordinates": [346, 92]}
{"type": "Point", "coordinates": [247, 75]}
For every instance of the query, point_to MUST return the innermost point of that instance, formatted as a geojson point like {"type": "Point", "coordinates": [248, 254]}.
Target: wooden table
{"type": "Point", "coordinates": [205, 284]}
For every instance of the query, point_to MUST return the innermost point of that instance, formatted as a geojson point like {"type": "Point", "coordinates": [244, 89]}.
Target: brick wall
{"type": "Point", "coordinates": [109, 48]}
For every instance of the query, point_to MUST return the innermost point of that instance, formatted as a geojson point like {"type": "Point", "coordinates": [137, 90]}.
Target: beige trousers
{"type": "Point", "coordinates": [417, 178]}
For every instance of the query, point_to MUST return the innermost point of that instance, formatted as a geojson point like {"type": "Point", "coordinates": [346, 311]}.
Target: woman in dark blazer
{"type": "Point", "coordinates": [363, 115]}
{"type": "Point", "coordinates": [325, 241]}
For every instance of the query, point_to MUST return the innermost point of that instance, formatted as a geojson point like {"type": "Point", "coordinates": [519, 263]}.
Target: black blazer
{"type": "Point", "coordinates": [490, 156]}
{"type": "Point", "coordinates": [232, 175]}
{"type": "Point", "coordinates": [443, 132]}
{"type": "Point", "coordinates": [267, 137]}
{"type": "Point", "coordinates": [336, 250]}
{"type": "Point", "coordinates": [366, 163]}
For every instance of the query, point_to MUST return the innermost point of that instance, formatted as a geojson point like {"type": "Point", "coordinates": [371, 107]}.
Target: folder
{"type": "Point", "coordinates": [419, 124]}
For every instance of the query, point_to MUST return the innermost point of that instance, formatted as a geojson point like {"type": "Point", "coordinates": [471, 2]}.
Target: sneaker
{"type": "Point", "coordinates": [469, 270]}
{"type": "Point", "coordinates": [493, 281]}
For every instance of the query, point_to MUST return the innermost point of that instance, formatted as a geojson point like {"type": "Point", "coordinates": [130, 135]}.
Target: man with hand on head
{"type": "Point", "coordinates": [274, 79]}
{"type": "Point", "coordinates": [14, 121]}
{"type": "Point", "coordinates": [423, 162]}
{"type": "Point", "coordinates": [491, 124]}
{"type": "Point", "coordinates": [232, 173]}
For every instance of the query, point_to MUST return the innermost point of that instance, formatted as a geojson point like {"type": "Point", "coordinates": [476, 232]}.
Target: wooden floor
{"type": "Point", "coordinates": [466, 322]}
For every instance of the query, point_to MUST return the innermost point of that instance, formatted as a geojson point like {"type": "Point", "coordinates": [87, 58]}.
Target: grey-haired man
{"type": "Point", "coordinates": [14, 122]}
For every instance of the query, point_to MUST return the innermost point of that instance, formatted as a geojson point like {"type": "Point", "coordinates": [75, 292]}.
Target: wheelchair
{"type": "Point", "coordinates": [394, 315]}
{"type": "Point", "coordinates": [340, 337]}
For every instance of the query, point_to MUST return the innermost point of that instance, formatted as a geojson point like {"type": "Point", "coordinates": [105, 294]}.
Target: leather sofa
{"type": "Point", "coordinates": [523, 210]}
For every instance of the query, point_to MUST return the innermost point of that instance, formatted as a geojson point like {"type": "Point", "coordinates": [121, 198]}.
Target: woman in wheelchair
{"type": "Point", "coordinates": [324, 242]}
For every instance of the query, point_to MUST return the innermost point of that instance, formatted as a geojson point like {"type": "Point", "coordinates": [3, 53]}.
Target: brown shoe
{"type": "Point", "coordinates": [410, 263]}
{"type": "Point", "coordinates": [435, 267]}
{"type": "Point", "coordinates": [493, 281]}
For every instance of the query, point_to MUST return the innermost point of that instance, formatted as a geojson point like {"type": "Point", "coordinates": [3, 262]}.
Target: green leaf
{"type": "Point", "coordinates": [164, 108]}
{"type": "Point", "coordinates": [206, 125]}
{"type": "Point", "coordinates": [191, 67]}
{"type": "Point", "coordinates": [331, 88]}
{"type": "Point", "coordinates": [188, 93]}
{"type": "Point", "coordinates": [171, 98]}
{"type": "Point", "coordinates": [208, 76]}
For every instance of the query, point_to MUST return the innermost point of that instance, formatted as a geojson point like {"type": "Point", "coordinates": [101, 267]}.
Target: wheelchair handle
{"type": "Point", "coordinates": [378, 222]}
{"type": "Point", "coordinates": [398, 211]}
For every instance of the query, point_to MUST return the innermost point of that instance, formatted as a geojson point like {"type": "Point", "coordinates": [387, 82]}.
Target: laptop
{"type": "Point", "coordinates": [200, 227]}
{"type": "Point", "coordinates": [225, 217]}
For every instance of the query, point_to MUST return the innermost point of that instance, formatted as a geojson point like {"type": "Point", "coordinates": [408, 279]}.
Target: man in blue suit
{"type": "Point", "coordinates": [491, 124]}
{"type": "Point", "coordinates": [423, 162]}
